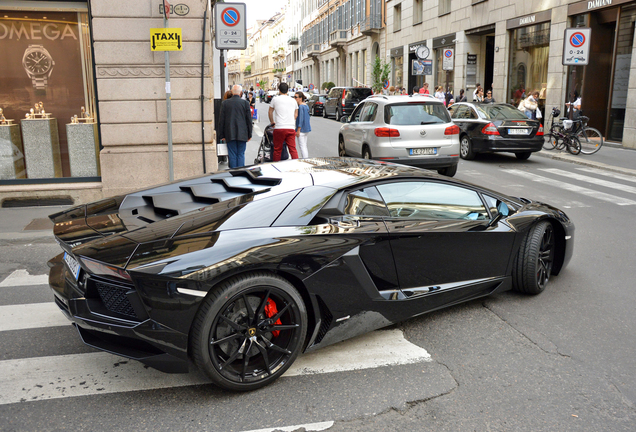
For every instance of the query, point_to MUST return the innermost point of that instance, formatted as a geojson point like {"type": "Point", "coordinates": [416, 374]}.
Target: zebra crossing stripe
{"type": "Point", "coordinates": [572, 188]}
{"type": "Point", "coordinates": [584, 178]}
{"type": "Point", "coordinates": [30, 316]}
{"type": "Point", "coordinates": [307, 427]}
{"type": "Point", "coordinates": [618, 176]}
{"type": "Point", "coordinates": [23, 278]}
{"type": "Point", "coordinates": [54, 377]}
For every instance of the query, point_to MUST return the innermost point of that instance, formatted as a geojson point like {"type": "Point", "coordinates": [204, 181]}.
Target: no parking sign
{"type": "Point", "coordinates": [576, 46]}
{"type": "Point", "coordinates": [448, 60]}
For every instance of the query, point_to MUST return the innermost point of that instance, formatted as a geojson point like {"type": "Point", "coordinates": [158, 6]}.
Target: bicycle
{"type": "Point", "coordinates": [560, 137]}
{"type": "Point", "coordinates": [590, 139]}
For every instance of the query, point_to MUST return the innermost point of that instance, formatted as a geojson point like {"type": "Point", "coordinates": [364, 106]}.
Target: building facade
{"type": "Point", "coordinates": [87, 95]}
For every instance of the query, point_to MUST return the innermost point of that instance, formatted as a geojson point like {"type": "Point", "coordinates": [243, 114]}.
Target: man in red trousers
{"type": "Point", "coordinates": [282, 114]}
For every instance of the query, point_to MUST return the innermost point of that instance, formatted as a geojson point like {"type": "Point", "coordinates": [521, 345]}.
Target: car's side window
{"type": "Point", "coordinates": [473, 114]}
{"type": "Point", "coordinates": [431, 200]}
{"type": "Point", "coordinates": [492, 204]}
{"type": "Point", "coordinates": [369, 113]}
{"type": "Point", "coordinates": [452, 110]}
{"type": "Point", "coordinates": [461, 112]}
{"type": "Point", "coordinates": [365, 202]}
{"type": "Point", "coordinates": [356, 116]}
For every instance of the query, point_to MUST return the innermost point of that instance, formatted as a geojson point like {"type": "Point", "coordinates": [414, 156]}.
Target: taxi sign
{"type": "Point", "coordinates": [165, 39]}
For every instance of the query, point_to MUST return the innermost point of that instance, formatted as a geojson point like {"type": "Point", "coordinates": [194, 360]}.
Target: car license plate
{"type": "Point", "coordinates": [72, 264]}
{"type": "Point", "coordinates": [518, 131]}
{"type": "Point", "coordinates": [423, 151]}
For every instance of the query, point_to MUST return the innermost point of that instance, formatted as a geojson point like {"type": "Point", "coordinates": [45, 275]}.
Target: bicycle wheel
{"type": "Point", "coordinates": [591, 140]}
{"type": "Point", "coordinates": [549, 141]}
{"type": "Point", "coordinates": [573, 144]}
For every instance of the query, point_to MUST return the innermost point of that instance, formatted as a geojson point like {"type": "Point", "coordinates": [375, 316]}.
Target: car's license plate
{"type": "Point", "coordinates": [423, 151]}
{"type": "Point", "coordinates": [72, 264]}
{"type": "Point", "coordinates": [518, 131]}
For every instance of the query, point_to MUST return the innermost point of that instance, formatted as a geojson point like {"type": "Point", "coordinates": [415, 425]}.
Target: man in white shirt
{"type": "Point", "coordinates": [282, 114]}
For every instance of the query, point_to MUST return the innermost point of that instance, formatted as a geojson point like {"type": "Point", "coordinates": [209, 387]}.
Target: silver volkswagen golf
{"type": "Point", "coordinates": [412, 130]}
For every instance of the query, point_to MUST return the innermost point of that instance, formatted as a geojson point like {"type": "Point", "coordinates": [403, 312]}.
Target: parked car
{"type": "Point", "coordinates": [242, 270]}
{"type": "Point", "coordinates": [412, 130]}
{"type": "Point", "coordinates": [341, 101]}
{"type": "Point", "coordinates": [495, 127]}
{"type": "Point", "coordinates": [270, 95]}
{"type": "Point", "coordinates": [316, 104]}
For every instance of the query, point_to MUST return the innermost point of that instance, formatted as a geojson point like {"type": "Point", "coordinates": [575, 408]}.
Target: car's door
{"type": "Point", "coordinates": [332, 100]}
{"type": "Point", "coordinates": [444, 246]}
{"type": "Point", "coordinates": [366, 125]}
{"type": "Point", "coordinates": [353, 132]}
{"type": "Point", "coordinates": [467, 119]}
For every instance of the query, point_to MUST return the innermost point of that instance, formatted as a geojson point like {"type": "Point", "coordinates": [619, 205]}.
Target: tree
{"type": "Point", "coordinates": [379, 74]}
{"type": "Point", "coordinates": [248, 69]}
{"type": "Point", "coordinates": [262, 83]}
{"type": "Point", "coordinates": [328, 85]}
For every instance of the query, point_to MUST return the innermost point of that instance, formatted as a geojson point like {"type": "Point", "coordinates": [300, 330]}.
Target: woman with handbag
{"type": "Point", "coordinates": [530, 105]}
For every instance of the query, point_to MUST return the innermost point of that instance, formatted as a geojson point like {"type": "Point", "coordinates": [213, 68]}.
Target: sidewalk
{"type": "Point", "coordinates": [30, 223]}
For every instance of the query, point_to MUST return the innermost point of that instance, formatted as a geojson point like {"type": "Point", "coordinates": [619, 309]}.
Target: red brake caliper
{"type": "Point", "coordinates": [270, 311]}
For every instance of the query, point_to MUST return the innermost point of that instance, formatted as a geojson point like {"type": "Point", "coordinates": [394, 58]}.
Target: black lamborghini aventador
{"type": "Point", "coordinates": [243, 270]}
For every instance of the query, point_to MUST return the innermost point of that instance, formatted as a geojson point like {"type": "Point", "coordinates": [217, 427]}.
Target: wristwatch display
{"type": "Point", "coordinates": [38, 64]}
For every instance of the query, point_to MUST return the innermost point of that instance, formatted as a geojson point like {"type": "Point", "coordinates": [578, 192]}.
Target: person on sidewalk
{"type": "Point", "coordinates": [424, 89]}
{"type": "Point", "coordinates": [235, 126]}
{"type": "Point", "coordinates": [282, 114]}
{"type": "Point", "coordinates": [302, 124]}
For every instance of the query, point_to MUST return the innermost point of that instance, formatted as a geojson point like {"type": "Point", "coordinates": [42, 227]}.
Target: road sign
{"type": "Point", "coordinates": [230, 30]}
{"type": "Point", "coordinates": [448, 60]}
{"type": "Point", "coordinates": [165, 39]}
{"type": "Point", "coordinates": [311, 86]}
{"type": "Point", "coordinates": [576, 46]}
{"type": "Point", "coordinates": [386, 84]}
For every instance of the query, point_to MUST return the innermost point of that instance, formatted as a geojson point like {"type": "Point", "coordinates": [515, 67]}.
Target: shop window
{"type": "Point", "coordinates": [47, 91]}
{"type": "Point", "coordinates": [442, 76]}
{"type": "Point", "coordinates": [528, 68]}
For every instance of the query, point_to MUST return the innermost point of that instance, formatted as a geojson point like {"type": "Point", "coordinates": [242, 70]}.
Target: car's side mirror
{"type": "Point", "coordinates": [344, 119]}
{"type": "Point", "coordinates": [502, 211]}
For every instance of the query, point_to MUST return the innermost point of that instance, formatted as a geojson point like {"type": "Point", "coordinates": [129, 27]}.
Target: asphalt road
{"type": "Point", "coordinates": [563, 360]}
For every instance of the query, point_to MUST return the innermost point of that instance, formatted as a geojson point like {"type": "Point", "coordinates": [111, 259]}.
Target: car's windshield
{"type": "Point", "coordinates": [500, 112]}
{"type": "Point", "coordinates": [415, 113]}
{"type": "Point", "coordinates": [358, 93]}
{"type": "Point", "coordinates": [321, 98]}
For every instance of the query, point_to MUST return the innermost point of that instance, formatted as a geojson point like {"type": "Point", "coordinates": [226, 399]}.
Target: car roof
{"type": "Point", "coordinates": [404, 98]}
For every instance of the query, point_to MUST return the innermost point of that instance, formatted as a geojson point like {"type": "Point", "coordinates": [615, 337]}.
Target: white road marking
{"type": "Point", "coordinates": [30, 316]}
{"type": "Point", "coordinates": [23, 278]}
{"type": "Point", "coordinates": [54, 377]}
{"type": "Point", "coordinates": [307, 426]}
{"type": "Point", "coordinates": [572, 188]}
{"type": "Point", "coordinates": [588, 179]}
{"type": "Point", "coordinates": [256, 130]}
{"type": "Point", "coordinates": [617, 176]}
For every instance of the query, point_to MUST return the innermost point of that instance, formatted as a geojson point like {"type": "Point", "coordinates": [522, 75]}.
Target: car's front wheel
{"type": "Point", "coordinates": [466, 148]}
{"type": "Point", "coordinates": [324, 112]}
{"type": "Point", "coordinates": [338, 115]}
{"type": "Point", "coordinates": [448, 171]}
{"type": "Point", "coordinates": [249, 331]}
{"type": "Point", "coordinates": [342, 151]}
{"type": "Point", "coordinates": [533, 263]}
{"type": "Point", "coordinates": [523, 155]}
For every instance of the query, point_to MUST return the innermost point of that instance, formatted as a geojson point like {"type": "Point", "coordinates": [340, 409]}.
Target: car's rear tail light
{"type": "Point", "coordinates": [343, 97]}
{"type": "Point", "coordinates": [102, 269]}
{"type": "Point", "coordinates": [318, 103]}
{"type": "Point", "coordinates": [386, 132]}
{"type": "Point", "coordinates": [540, 131]}
{"type": "Point", "coordinates": [490, 129]}
{"type": "Point", "coordinates": [452, 130]}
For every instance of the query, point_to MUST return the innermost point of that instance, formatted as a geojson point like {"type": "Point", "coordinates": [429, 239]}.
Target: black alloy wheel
{"type": "Point", "coordinates": [523, 155]}
{"type": "Point", "coordinates": [338, 115]}
{"type": "Point", "coordinates": [313, 110]}
{"type": "Point", "coordinates": [249, 331]}
{"type": "Point", "coordinates": [466, 148]}
{"type": "Point", "coordinates": [534, 261]}
{"type": "Point", "coordinates": [342, 152]}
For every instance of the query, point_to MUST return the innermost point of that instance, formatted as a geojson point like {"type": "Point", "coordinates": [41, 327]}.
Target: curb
{"type": "Point", "coordinates": [566, 157]}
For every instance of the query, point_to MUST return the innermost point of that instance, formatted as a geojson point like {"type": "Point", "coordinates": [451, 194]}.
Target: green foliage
{"type": "Point", "coordinates": [379, 74]}
{"type": "Point", "coordinates": [328, 85]}
{"type": "Point", "coordinates": [262, 83]}
{"type": "Point", "coordinates": [248, 69]}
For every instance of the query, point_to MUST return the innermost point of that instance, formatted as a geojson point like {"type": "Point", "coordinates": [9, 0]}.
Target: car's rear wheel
{"type": "Point", "coordinates": [366, 152]}
{"type": "Point", "coordinates": [313, 111]}
{"type": "Point", "coordinates": [466, 148]}
{"type": "Point", "coordinates": [448, 171]}
{"type": "Point", "coordinates": [523, 155]}
{"type": "Point", "coordinates": [533, 263]}
{"type": "Point", "coordinates": [338, 115]}
{"type": "Point", "coordinates": [324, 112]}
{"type": "Point", "coordinates": [342, 151]}
{"type": "Point", "coordinates": [249, 331]}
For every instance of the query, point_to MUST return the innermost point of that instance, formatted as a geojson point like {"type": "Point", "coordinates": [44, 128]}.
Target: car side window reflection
{"type": "Point", "coordinates": [368, 114]}
{"type": "Point", "coordinates": [365, 202]}
{"type": "Point", "coordinates": [492, 204]}
{"type": "Point", "coordinates": [431, 200]}
{"type": "Point", "coordinates": [355, 117]}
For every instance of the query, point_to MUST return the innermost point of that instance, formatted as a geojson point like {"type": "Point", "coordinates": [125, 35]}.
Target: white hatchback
{"type": "Point", "coordinates": [412, 130]}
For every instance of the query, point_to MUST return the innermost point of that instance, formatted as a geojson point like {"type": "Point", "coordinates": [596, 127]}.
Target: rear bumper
{"type": "Point", "coordinates": [433, 162]}
{"type": "Point", "coordinates": [501, 144]}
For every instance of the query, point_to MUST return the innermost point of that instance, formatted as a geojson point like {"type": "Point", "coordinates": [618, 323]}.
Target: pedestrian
{"type": "Point", "coordinates": [261, 93]}
{"type": "Point", "coordinates": [251, 99]}
{"type": "Point", "coordinates": [477, 87]}
{"type": "Point", "coordinates": [461, 97]}
{"type": "Point", "coordinates": [575, 104]}
{"type": "Point", "coordinates": [227, 95]}
{"type": "Point", "coordinates": [416, 90]}
{"type": "Point", "coordinates": [282, 114]}
{"type": "Point", "coordinates": [489, 98]}
{"type": "Point", "coordinates": [235, 126]}
{"type": "Point", "coordinates": [302, 124]}
{"type": "Point", "coordinates": [424, 89]}
{"type": "Point", "coordinates": [530, 105]}
{"type": "Point", "coordinates": [439, 93]}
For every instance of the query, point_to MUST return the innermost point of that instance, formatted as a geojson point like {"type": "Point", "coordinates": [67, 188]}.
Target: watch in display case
{"type": "Point", "coordinates": [38, 64]}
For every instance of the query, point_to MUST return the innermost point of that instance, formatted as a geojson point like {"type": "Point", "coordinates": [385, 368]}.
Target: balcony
{"type": "Point", "coordinates": [293, 40]}
{"type": "Point", "coordinates": [313, 50]}
{"type": "Point", "coordinates": [372, 24]}
{"type": "Point", "coordinates": [338, 38]}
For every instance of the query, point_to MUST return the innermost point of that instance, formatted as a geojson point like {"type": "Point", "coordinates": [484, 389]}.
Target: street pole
{"type": "Point", "coordinates": [222, 68]}
{"type": "Point", "coordinates": [168, 107]}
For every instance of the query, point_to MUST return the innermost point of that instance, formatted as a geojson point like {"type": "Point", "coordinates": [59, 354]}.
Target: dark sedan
{"type": "Point", "coordinates": [495, 127]}
{"type": "Point", "coordinates": [316, 104]}
{"type": "Point", "coordinates": [241, 271]}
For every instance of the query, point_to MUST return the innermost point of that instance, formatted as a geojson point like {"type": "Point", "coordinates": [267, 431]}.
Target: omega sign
{"type": "Point", "coordinates": [36, 31]}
